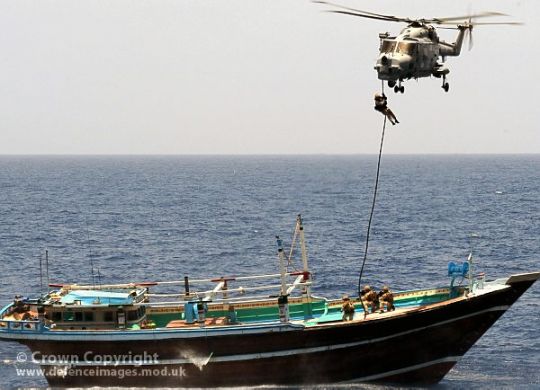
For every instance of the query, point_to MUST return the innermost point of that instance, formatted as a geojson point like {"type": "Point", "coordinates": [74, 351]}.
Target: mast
{"type": "Point", "coordinates": [283, 302]}
{"type": "Point", "coordinates": [282, 269]}
{"type": "Point", "coordinates": [306, 289]}
{"type": "Point", "coordinates": [40, 274]}
{"type": "Point", "coordinates": [302, 243]}
{"type": "Point", "coordinates": [47, 267]}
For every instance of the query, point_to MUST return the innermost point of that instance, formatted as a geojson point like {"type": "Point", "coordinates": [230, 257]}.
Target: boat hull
{"type": "Point", "coordinates": [415, 347]}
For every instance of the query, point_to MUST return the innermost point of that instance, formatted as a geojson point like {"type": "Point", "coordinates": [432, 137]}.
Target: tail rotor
{"type": "Point", "coordinates": [470, 26]}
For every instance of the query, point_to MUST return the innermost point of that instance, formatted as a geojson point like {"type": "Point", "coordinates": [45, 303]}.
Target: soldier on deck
{"type": "Point", "coordinates": [370, 298]}
{"type": "Point", "coordinates": [347, 308]}
{"type": "Point", "coordinates": [386, 299]}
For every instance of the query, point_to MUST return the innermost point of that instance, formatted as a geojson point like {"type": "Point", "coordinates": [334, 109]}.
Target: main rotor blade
{"type": "Point", "coordinates": [355, 10]}
{"type": "Point", "coordinates": [449, 20]}
{"type": "Point", "coordinates": [467, 23]}
{"type": "Point", "coordinates": [463, 17]}
{"type": "Point", "coordinates": [367, 16]}
{"type": "Point", "coordinates": [363, 14]}
{"type": "Point", "coordinates": [497, 23]}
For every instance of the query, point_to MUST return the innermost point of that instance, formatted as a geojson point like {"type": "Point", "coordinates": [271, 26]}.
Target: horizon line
{"type": "Point", "coordinates": [258, 154]}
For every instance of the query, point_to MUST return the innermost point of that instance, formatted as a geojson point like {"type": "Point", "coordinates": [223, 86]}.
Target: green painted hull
{"type": "Point", "coordinates": [320, 308]}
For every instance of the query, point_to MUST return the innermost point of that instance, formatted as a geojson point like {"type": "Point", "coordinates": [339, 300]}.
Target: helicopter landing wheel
{"type": "Point", "coordinates": [391, 83]}
{"type": "Point", "coordinates": [402, 89]}
{"type": "Point", "coordinates": [396, 89]}
{"type": "Point", "coordinates": [446, 87]}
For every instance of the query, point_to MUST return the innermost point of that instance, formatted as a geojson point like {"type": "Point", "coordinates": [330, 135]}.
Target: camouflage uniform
{"type": "Point", "coordinates": [347, 309]}
{"type": "Point", "coordinates": [370, 298]}
{"type": "Point", "coordinates": [386, 299]}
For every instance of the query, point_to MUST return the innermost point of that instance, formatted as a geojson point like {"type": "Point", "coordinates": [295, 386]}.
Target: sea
{"type": "Point", "coordinates": [149, 218]}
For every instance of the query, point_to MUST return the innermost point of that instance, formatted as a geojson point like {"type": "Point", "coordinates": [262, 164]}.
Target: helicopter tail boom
{"type": "Point", "coordinates": [454, 49]}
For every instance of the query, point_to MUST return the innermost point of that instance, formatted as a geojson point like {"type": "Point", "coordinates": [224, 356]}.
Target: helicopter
{"type": "Point", "coordinates": [417, 50]}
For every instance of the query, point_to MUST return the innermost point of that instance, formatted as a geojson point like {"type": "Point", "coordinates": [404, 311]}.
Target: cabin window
{"type": "Point", "coordinates": [108, 316]}
{"type": "Point", "coordinates": [406, 48]}
{"type": "Point", "coordinates": [88, 316]}
{"type": "Point", "coordinates": [68, 316]}
{"type": "Point", "coordinates": [56, 316]}
{"type": "Point", "coordinates": [388, 46]}
{"type": "Point", "coordinates": [78, 316]}
{"type": "Point", "coordinates": [132, 315]}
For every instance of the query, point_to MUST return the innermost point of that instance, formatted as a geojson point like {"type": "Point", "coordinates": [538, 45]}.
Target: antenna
{"type": "Point", "coordinates": [40, 274]}
{"type": "Point", "coordinates": [470, 260]}
{"type": "Point", "coordinates": [99, 277]}
{"type": "Point", "coordinates": [47, 267]}
{"type": "Point", "coordinates": [471, 240]}
{"type": "Point", "coordinates": [90, 253]}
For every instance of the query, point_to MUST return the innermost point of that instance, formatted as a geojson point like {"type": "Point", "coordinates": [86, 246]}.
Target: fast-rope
{"type": "Point", "coordinates": [372, 209]}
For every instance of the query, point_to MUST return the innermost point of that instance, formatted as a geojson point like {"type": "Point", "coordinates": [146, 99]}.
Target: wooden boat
{"type": "Point", "coordinates": [236, 333]}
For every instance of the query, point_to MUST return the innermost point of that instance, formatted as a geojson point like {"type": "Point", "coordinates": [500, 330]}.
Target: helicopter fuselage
{"type": "Point", "coordinates": [415, 53]}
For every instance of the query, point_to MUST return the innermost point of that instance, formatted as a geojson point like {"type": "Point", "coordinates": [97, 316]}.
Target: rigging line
{"type": "Point", "coordinates": [40, 273]}
{"type": "Point", "coordinates": [372, 209]}
{"type": "Point", "coordinates": [293, 245]}
{"type": "Point", "coordinates": [90, 252]}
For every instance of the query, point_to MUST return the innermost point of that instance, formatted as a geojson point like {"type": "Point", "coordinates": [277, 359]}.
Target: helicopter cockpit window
{"type": "Point", "coordinates": [388, 46]}
{"type": "Point", "coordinates": [406, 47]}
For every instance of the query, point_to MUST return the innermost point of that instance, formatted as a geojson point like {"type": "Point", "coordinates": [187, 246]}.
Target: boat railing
{"type": "Point", "coordinates": [217, 289]}
{"type": "Point", "coordinates": [231, 300]}
{"type": "Point", "coordinates": [167, 282]}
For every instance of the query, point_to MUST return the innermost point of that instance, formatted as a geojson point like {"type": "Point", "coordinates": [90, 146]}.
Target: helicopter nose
{"type": "Point", "coordinates": [386, 68]}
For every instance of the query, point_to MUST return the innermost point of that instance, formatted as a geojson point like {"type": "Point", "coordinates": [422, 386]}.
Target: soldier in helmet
{"type": "Point", "coordinates": [386, 299]}
{"type": "Point", "coordinates": [19, 306]}
{"type": "Point", "coordinates": [370, 298]}
{"type": "Point", "coordinates": [381, 105]}
{"type": "Point", "coordinates": [347, 308]}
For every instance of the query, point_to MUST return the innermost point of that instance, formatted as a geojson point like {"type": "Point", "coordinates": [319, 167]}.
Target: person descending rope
{"type": "Point", "coordinates": [381, 105]}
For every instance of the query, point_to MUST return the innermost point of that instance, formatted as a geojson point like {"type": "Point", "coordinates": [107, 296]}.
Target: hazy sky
{"type": "Point", "coordinates": [251, 77]}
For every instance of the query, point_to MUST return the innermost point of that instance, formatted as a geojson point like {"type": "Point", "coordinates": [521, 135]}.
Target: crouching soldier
{"type": "Point", "coordinates": [386, 300]}
{"type": "Point", "coordinates": [370, 298]}
{"type": "Point", "coordinates": [347, 308]}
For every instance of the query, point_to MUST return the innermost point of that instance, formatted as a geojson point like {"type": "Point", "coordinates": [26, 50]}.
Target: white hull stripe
{"type": "Point", "coordinates": [292, 352]}
{"type": "Point", "coordinates": [449, 359]}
